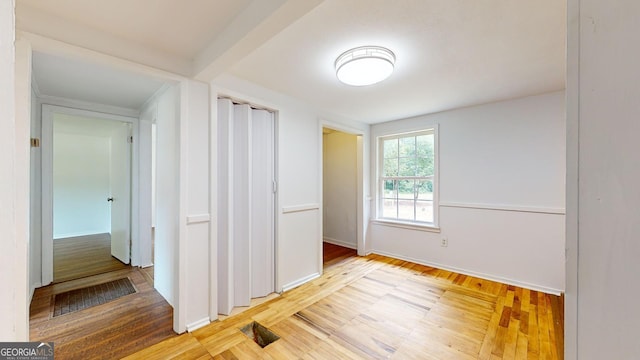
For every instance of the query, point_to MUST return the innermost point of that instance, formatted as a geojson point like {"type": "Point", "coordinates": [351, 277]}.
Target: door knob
{"type": "Point", "coordinates": [110, 199]}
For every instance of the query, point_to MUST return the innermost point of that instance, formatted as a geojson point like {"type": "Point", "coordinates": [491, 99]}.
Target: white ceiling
{"type": "Point", "coordinates": [181, 28]}
{"type": "Point", "coordinates": [450, 53]}
{"type": "Point", "coordinates": [73, 79]}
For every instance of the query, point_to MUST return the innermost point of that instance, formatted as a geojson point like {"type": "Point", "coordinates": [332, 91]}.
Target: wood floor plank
{"type": "Point", "coordinates": [82, 256]}
{"type": "Point", "coordinates": [330, 350]}
{"type": "Point", "coordinates": [364, 340]}
{"type": "Point", "coordinates": [296, 339]}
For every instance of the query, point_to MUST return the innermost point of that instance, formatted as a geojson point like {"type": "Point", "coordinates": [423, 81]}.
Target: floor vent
{"type": "Point", "coordinates": [259, 334]}
{"type": "Point", "coordinates": [80, 299]}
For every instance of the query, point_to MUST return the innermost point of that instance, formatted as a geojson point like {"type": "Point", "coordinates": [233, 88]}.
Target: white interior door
{"type": "Point", "coordinates": [120, 198]}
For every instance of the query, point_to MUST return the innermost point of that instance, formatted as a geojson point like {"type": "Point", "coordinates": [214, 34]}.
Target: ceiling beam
{"type": "Point", "coordinates": [259, 22]}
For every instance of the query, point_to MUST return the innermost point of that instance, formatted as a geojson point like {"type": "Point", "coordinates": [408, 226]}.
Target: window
{"type": "Point", "coordinates": [407, 177]}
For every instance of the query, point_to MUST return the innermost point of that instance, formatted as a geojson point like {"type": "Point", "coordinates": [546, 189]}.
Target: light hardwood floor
{"type": "Point", "coordinates": [78, 257]}
{"type": "Point", "coordinates": [108, 331]}
{"type": "Point", "coordinates": [378, 307]}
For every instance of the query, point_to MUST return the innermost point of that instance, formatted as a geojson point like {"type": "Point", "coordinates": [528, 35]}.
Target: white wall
{"type": "Point", "coordinates": [339, 184]}
{"type": "Point", "coordinates": [298, 217]}
{"type": "Point", "coordinates": [80, 184]}
{"type": "Point", "coordinates": [603, 227]}
{"type": "Point", "coordinates": [167, 204]}
{"type": "Point", "coordinates": [142, 255]}
{"type": "Point", "coordinates": [35, 211]}
{"type": "Point", "coordinates": [154, 193]}
{"type": "Point", "coordinates": [15, 79]}
{"type": "Point", "coordinates": [22, 176]}
{"type": "Point", "coordinates": [181, 247]}
{"type": "Point", "coordinates": [501, 187]}
{"type": "Point", "coordinates": [194, 195]}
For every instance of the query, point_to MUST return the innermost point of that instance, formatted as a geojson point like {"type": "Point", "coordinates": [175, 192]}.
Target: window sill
{"type": "Point", "coordinates": [406, 225]}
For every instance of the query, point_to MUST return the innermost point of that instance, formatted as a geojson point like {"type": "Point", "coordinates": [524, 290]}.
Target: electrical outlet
{"type": "Point", "coordinates": [444, 242]}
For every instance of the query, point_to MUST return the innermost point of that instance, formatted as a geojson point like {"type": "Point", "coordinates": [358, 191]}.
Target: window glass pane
{"type": "Point", "coordinates": [390, 148]}
{"type": "Point", "coordinates": [424, 166]}
{"type": "Point", "coordinates": [390, 167]}
{"type": "Point", "coordinates": [424, 162]}
{"type": "Point", "coordinates": [411, 157]}
{"type": "Point", "coordinates": [424, 211]}
{"type": "Point", "coordinates": [425, 145]}
{"type": "Point", "coordinates": [389, 189]}
{"type": "Point", "coordinates": [425, 190]}
{"type": "Point", "coordinates": [406, 189]}
{"type": "Point", "coordinates": [390, 208]}
{"type": "Point", "coordinates": [407, 146]}
{"type": "Point", "coordinates": [407, 167]}
{"type": "Point", "coordinates": [406, 210]}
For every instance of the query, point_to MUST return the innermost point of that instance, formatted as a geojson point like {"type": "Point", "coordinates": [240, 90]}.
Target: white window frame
{"type": "Point", "coordinates": [403, 223]}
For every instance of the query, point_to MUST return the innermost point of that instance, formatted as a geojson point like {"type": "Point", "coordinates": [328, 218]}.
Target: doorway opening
{"type": "Point", "coordinates": [343, 224]}
{"type": "Point", "coordinates": [339, 188]}
{"type": "Point", "coordinates": [86, 192]}
{"type": "Point", "coordinates": [91, 196]}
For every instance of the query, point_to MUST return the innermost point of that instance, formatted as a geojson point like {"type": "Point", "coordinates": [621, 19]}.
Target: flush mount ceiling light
{"type": "Point", "coordinates": [365, 65]}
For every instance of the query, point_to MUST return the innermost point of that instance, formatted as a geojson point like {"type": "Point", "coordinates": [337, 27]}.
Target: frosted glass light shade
{"type": "Point", "coordinates": [365, 65]}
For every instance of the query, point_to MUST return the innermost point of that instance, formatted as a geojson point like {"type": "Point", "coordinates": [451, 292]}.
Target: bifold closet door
{"type": "Point", "coordinates": [262, 203]}
{"type": "Point", "coordinates": [246, 204]}
{"type": "Point", "coordinates": [241, 202]}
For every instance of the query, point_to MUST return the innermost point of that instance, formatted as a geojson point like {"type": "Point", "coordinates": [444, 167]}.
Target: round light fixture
{"type": "Point", "coordinates": [365, 65]}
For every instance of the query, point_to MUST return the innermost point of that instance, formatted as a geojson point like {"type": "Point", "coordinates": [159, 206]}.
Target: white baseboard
{"type": "Point", "coordinates": [146, 266]}
{"type": "Point", "coordinates": [198, 324]}
{"type": "Point", "coordinates": [500, 279]}
{"type": "Point", "coordinates": [340, 243]}
{"type": "Point", "coordinates": [299, 282]}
